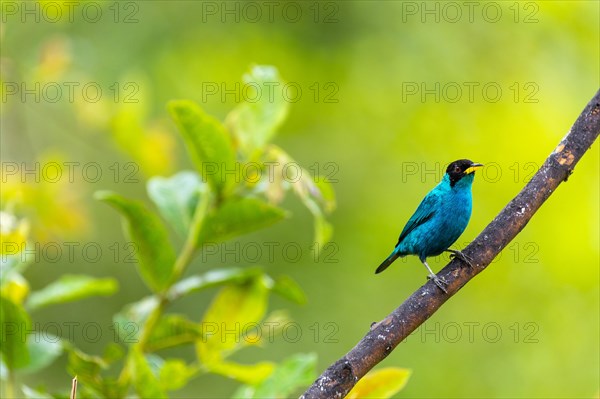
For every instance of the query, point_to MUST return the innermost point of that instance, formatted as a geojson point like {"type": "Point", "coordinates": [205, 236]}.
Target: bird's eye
{"type": "Point", "coordinates": [457, 169]}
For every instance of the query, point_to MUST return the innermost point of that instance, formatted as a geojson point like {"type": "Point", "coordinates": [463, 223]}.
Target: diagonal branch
{"type": "Point", "coordinates": [380, 341]}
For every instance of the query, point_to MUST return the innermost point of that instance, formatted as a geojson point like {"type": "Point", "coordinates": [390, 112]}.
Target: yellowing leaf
{"type": "Point", "coordinates": [251, 374]}
{"type": "Point", "coordinates": [380, 384]}
{"type": "Point", "coordinates": [15, 287]}
{"type": "Point", "coordinates": [294, 372]}
{"type": "Point", "coordinates": [235, 310]}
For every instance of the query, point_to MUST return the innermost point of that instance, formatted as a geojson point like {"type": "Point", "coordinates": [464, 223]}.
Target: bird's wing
{"type": "Point", "coordinates": [424, 212]}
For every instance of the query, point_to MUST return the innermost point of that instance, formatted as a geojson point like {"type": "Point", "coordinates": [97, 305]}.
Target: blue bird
{"type": "Point", "coordinates": [439, 220]}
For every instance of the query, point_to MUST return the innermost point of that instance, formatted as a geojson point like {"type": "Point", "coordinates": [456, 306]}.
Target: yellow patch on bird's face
{"type": "Point", "coordinates": [472, 169]}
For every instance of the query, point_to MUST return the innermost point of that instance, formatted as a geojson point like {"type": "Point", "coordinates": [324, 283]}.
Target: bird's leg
{"type": "Point", "coordinates": [457, 254]}
{"type": "Point", "coordinates": [438, 281]}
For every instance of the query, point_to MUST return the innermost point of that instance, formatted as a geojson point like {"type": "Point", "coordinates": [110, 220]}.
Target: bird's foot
{"type": "Point", "coordinates": [440, 282]}
{"type": "Point", "coordinates": [457, 254]}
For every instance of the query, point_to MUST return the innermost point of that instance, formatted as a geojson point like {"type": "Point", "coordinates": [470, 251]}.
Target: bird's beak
{"type": "Point", "coordinates": [473, 168]}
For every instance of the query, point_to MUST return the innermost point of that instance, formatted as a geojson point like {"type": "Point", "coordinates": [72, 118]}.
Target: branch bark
{"type": "Point", "coordinates": [383, 337]}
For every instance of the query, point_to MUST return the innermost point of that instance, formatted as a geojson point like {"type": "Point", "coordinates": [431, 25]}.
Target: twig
{"type": "Point", "coordinates": [383, 337]}
{"type": "Point", "coordinates": [74, 388]}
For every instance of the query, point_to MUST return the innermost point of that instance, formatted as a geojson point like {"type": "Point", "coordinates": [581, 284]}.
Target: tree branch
{"type": "Point", "coordinates": [384, 336]}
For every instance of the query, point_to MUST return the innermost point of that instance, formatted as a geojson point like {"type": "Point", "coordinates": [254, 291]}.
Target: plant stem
{"type": "Point", "coordinates": [191, 242]}
{"type": "Point", "coordinates": [181, 263]}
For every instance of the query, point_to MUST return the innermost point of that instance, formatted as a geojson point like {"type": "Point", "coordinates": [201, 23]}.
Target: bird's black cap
{"type": "Point", "coordinates": [459, 169]}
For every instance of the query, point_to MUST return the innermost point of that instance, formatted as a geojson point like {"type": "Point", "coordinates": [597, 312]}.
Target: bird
{"type": "Point", "coordinates": [441, 217]}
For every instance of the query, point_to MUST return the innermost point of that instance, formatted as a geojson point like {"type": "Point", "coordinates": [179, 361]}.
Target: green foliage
{"type": "Point", "coordinates": [390, 146]}
{"type": "Point", "coordinates": [254, 123]}
{"type": "Point", "coordinates": [208, 143]}
{"type": "Point", "coordinates": [213, 278]}
{"type": "Point", "coordinates": [173, 330]}
{"type": "Point", "coordinates": [43, 350]}
{"type": "Point", "coordinates": [177, 197]}
{"type": "Point", "coordinates": [15, 323]}
{"type": "Point", "coordinates": [292, 373]}
{"type": "Point", "coordinates": [202, 206]}
{"type": "Point", "coordinates": [289, 289]}
{"type": "Point", "coordinates": [234, 308]}
{"type": "Point", "coordinates": [238, 216]}
{"type": "Point", "coordinates": [88, 369]}
{"type": "Point", "coordinates": [145, 382]}
{"type": "Point", "coordinates": [174, 374]}
{"type": "Point", "coordinates": [156, 257]}
{"type": "Point", "coordinates": [70, 288]}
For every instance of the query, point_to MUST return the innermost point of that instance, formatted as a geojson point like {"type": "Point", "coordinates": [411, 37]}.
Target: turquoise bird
{"type": "Point", "coordinates": [439, 220]}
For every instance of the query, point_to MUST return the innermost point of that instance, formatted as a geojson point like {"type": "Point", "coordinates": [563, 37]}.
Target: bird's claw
{"type": "Point", "coordinates": [466, 259]}
{"type": "Point", "coordinates": [440, 282]}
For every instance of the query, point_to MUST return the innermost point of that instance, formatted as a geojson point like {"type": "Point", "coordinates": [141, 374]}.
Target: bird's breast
{"type": "Point", "coordinates": [442, 230]}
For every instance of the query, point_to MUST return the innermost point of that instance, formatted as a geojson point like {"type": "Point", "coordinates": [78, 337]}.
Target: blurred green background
{"type": "Point", "coordinates": [380, 114]}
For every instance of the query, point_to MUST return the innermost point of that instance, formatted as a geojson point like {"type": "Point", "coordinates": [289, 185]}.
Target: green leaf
{"type": "Point", "coordinates": [13, 338]}
{"type": "Point", "coordinates": [234, 311]}
{"type": "Point", "coordinates": [313, 199]}
{"type": "Point", "coordinates": [289, 289]}
{"type": "Point", "coordinates": [251, 374]}
{"type": "Point", "coordinates": [154, 253]}
{"type": "Point", "coordinates": [69, 288]}
{"type": "Point", "coordinates": [382, 383]}
{"type": "Point", "coordinates": [43, 350]}
{"type": "Point", "coordinates": [146, 384]}
{"type": "Point", "coordinates": [172, 330]}
{"type": "Point", "coordinates": [176, 198]}
{"type": "Point", "coordinates": [294, 372]}
{"type": "Point", "coordinates": [324, 193]}
{"type": "Point", "coordinates": [255, 122]}
{"type": "Point", "coordinates": [213, 278]}
{"type": "Point", "coordinates": [238, 216]}
{"type": "Point", "coordinates": [129, 320]}
{"type": "Point", "coordinates": [113, 352]}
{"type": "Point", "coordinates": [208, 144]}
{"type": "Point", "coordinates": [175, 374]}
{"type": "Point", "coordinates": [87, 368]}
{"type": "Point", "coordinates": [323, 230]}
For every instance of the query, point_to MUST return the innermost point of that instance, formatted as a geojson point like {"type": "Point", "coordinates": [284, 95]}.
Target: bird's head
{"type": "Point", "coordinates": [462, 171]}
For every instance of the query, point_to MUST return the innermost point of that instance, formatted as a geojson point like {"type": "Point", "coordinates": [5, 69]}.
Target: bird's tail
{"type": "Point", "coordinates": [388, 261]}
